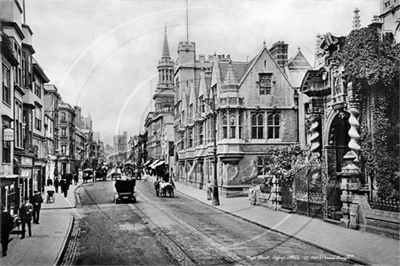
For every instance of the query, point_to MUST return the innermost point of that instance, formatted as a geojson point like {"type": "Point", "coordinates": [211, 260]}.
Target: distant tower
{"type": "Point", "coordinates": [356, 20]}
{"type": "Point", "coordinates": [164, 96]}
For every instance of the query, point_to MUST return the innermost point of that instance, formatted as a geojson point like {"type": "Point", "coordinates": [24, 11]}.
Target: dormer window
{"type": "Point", "coordinates": [264, 83]}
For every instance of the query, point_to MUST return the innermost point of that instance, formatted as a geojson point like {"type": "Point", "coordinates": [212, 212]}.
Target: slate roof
{"type": "Point", "coordinates": [239, 69]}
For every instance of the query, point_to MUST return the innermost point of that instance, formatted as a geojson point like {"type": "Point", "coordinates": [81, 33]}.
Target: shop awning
{"type": "Point", "coordinates": [154, 163]}
{"type": "Point", "coordinates": [147, 163]}
{"type": "Point", "coordinates": [159, 164]}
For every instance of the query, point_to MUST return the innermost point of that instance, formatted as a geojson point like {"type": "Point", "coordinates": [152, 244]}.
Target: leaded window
{"type": "Point", "coordinates": [257, 126]}
{"type": "Point", "coordinates": [232, 125]}
{"type": "Point", "coordinates": [273, 126]}
{"type": "Point", "coordinates": [265, 83]}
{"type": "Point", "coordinates": [224, 126]}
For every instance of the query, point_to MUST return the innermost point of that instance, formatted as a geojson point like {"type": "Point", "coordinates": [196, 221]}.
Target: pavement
{"type": "Point", "coordinates": [49, 238]}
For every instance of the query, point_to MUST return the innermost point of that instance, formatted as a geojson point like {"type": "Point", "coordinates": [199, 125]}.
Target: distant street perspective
{"type": "Point", "coordinates": [190, 132]}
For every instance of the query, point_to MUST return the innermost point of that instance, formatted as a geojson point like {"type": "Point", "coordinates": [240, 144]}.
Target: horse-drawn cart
{"type": "Point", "coordinates": [125, 191]}
{"type": "Point", "coordinates": [87, 174]}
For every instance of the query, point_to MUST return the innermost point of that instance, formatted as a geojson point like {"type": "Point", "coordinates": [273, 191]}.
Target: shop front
{"type": "Point", "coordinates": [9, 192]}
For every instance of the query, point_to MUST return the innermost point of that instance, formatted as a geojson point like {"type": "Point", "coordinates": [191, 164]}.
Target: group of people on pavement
{"type": "Point", "coordinates": [28, 210]}
{"type": "Point", "coordinates": [63, 184]}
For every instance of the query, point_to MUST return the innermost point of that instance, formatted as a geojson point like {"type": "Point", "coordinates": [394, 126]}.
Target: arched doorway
{"type": "Point", "coordinates": [336, 147]}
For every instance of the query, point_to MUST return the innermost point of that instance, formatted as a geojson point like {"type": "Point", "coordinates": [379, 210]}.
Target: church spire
{"type": "Point", "coordinates": [165, 52]}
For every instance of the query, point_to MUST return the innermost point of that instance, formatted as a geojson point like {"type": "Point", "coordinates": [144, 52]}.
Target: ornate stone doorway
{"type": "Point", "coordinates": [335, 148]}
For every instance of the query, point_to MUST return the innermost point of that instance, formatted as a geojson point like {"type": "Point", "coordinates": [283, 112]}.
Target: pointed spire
{"type": "Point", "coordinates": [230, 77]}
{"type": "Point", "coordinates": [356, 20]}
{"type": "Point", "coordinates": [165, 52]}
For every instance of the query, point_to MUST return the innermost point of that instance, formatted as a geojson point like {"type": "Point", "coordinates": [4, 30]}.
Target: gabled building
{"type": "Point", "coordinates": [255, 105]}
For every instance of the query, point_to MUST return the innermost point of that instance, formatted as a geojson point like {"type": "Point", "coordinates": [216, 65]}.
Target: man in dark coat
{"type": "Point", "coordinates": [49, 182]}
{"type": "Point", "coordinates": [25, 212]}
{"type": "Point", "coordinates": [37, 201]}
{"type": "Point", "coordinates": [64, 186]}
{"type": "Point", "coordinates": [7, 224]}
{"type": "Point", "coordinates": [56, 184]}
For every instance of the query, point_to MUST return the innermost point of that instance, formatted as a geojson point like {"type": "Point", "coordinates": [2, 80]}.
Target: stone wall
{"type": "Point", "coordinates": [375, 221]}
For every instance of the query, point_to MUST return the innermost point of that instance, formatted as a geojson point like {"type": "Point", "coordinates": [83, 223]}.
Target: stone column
{"type": "Point", "coordinates": [350, 183]}
{"type": "Point", "coordinates": [315, 149]}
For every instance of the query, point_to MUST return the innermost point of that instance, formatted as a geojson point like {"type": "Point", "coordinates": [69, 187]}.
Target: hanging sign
{"type": "Point", "coordinates": [8, 134]}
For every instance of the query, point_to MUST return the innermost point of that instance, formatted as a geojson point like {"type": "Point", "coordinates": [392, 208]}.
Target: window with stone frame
{"type": "Point", "coordinates": [63, 131]}
{"type": "Point", "coordinates": [190, 137]}
{"type": "Point", "coordinates": [38, 118]}
{"type": "Point", "coordinates": [6, 84]}
{"type": "Point", "coordinates": [63, 117]}
{"type": "Point", "coordinates": [257, 126]}
{"type": "Point", "coordinates": [18, 124]}
{"type": "Point", "coordinates": [232, 126]}
{"type": "Point", "coordinates": [38, 90]}
{"type": "Point", "coordinates": [6, 149]}
{"type": "Point", "coordinates": [264, 83]}
{"type": "Point", "coordinates": [18, 70]}
{"type": "Point", "coordinates": [224, 126]}
{"type": "Point", "coordinates": [190, 115]}
{"type": "Point", "coordinates": [260, 166]}
{"type": "Point", "coordinates": [240, 123]}
{"type": "Point", "coordinates": [63, 149]}
{"type": "Point", "coordinates": [263, 165]}
{"type": "Point", "coordinates": [208, 130]}
{"type": "Point", "coordinates": [201, 104]}
{"type": "Point", "coordinates": [201, 134]}
{"type": "Point", "coordinates": [24, 64]}
{"type": "Point", "coordinates": [273, 126]}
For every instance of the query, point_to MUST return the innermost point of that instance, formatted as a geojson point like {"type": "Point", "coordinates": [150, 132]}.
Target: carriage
{"type": "Point", "coordinates": [125, 191]}
{"type": "Point", "coordinates": [101, 173]}
{"type": "Point", "coordinates": [87, 174]}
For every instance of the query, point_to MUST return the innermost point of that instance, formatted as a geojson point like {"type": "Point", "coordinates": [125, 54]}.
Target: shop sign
{"type": "Point", "coordinates": [26, 173]}
{"type": "Point", "coordinates": [26, 161]}
{"type": "Point", "coordinates": [8, 134]}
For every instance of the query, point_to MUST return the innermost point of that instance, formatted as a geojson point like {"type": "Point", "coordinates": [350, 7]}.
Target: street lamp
{"type": "Point", "coordinates": [211, 102]}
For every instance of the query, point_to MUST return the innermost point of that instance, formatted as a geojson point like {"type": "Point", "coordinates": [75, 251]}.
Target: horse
{"type": "Point", "coordinates": [170, 190]}
{"type": "Point", "coordinates": [167, 188]}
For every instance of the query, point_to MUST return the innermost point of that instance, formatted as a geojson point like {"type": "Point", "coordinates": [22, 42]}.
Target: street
{"type": "Point", "coordinates": [175, 231]}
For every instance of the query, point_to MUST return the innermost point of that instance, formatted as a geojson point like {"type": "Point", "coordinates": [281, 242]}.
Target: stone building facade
{"type": "Point", "coordinates": [255, 105]}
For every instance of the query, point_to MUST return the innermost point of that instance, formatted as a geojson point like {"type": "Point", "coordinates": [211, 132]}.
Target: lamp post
{"type": "Point", "coordinates": [211, 102]}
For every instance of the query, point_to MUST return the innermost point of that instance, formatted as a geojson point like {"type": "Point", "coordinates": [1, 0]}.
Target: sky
{"type": "Point", "coordinates": [102, 55]}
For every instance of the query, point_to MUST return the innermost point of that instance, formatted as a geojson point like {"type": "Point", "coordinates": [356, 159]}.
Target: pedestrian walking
{"type": "Point", "coordinates": [209, 190]}
{"type": "Point", "coordinates": [56, 184]}
{"type": "Point", "coordinates": [76, 178]}
{"type": "Point", "coordinates": [7, 224]}
{"type": "Point", "coordinates": [37, 201]}
{"type": "Point", "coordinates": [64, 187]}
{"type": "Point", "coordinates": [49, 182]}
{"type": "Point", "coordinates": [25, 213]}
